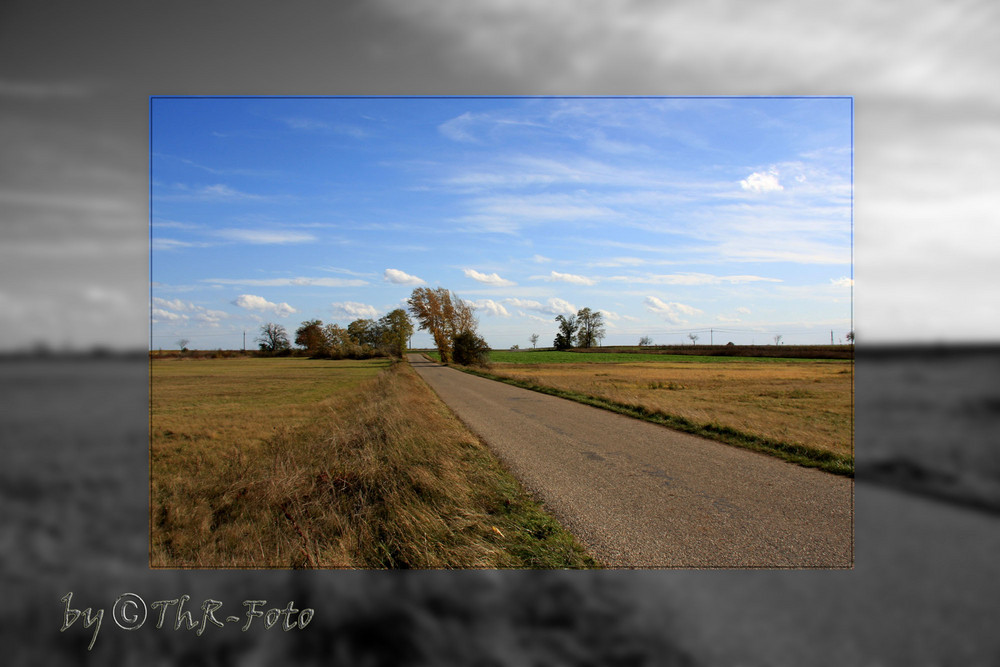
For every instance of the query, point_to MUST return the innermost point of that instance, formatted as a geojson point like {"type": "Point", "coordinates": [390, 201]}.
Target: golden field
{"type": "Point", "coordinates": [798, 402]}
{"type": "Point", "coordinates": [304, 463]}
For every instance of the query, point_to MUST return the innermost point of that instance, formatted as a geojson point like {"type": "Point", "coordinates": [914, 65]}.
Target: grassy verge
{"type": "Point", "coordinates": [380, 476]}
{"type": "Point", "coordinates": [795, 453]}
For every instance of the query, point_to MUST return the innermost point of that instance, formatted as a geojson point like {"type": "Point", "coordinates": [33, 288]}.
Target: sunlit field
{"type": "Point", "coordinates": [304, 463]}
{"type": "Point", "coordinates": [215, 404]}
{"type": "Point", "coordinates": [806, 402]}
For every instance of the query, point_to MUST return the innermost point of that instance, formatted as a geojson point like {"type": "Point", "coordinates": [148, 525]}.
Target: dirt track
{"type": "Point", "coordinates": [640, 495]}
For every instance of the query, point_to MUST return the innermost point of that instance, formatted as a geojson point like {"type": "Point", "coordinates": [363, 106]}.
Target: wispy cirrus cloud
{"type": "Point", "coordinates": [325, 126]}
{"type": "Point", "coordinates": [287, 282]}
{"type": "Point", "coordinates": [488, 279]}
{"type": "Point", "coordinates": [265, 236]}
{"type": "Point", "coordinates": [160, 243]}
{"type": "Point", "coordinates": [221, 191]}
{"type": "Point", "coordinates": [692, 279]}
{"type": "Point", "coordinates": [216, 192]}
{"type": "Point", "coordinates": [459, 128]}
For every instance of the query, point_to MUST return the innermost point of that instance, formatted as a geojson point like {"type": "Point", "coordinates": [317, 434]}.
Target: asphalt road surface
{"type": "Point", "coordinates": [641, 495]}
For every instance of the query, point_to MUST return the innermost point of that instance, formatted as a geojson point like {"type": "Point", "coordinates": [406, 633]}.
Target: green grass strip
{"type": "Point", "coordinates": [802, 455]}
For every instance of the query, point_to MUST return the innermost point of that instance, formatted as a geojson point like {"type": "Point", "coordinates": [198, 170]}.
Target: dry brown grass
{"type": "Point", "coordinates": [807, 403]}
{"type": "Point", "coordinates": [382, 477]}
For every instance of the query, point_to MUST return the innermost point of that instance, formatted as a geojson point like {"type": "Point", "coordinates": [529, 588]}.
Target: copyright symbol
{"type": "Point", "coordinates": [129, 611]}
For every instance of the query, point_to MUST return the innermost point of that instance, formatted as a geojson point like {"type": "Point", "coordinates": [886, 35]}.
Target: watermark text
{"type": "Point", "coordinates": [130, 612]}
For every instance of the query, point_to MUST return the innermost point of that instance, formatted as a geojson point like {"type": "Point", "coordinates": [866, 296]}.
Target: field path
{"type": "Point", "coordinates": [641, 495]}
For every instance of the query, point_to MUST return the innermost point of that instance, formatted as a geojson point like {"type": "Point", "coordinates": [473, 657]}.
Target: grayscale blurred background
{"type": "Point", "coordinates": [74, 84]}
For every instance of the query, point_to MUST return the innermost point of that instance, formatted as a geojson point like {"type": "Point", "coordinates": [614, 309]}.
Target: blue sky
{"type": "Point", "coordinates": [726, 217]}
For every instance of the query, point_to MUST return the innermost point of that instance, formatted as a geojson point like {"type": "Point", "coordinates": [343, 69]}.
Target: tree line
{"type": "Point", "coordinates": [451, 322]}
{"type": "Point", "coordinates": [362, 339]}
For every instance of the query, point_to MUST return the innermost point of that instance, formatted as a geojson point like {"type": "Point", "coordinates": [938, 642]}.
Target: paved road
{"type": "Point", "coordinates": [641, 495]}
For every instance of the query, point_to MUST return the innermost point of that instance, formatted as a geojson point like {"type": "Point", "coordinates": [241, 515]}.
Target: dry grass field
{"type": "Point", "coordinates": [278, 463]}
{"type": "Point", "coordinates": [798, 402]}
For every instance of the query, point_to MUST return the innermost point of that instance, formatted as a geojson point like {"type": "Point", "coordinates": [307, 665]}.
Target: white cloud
{"type": "Point", "coordinates": [560, 307]}
{"type": "Point", "coordinates": [210, 317]}
{"type": "Point", "coordinates": [743, 310]}
{"type": "Point", "coordinates": [491, 307]}
{"type": "Point", "coordinates": [540, 259]}
{"type": "Point", "coordinates": [174, 304]}
{"type": "Point", "coordinates": [161, 315]}
{"type": "Point", "coordinates": [842, 282]}
{"type": "Point", "coordinates": [160, 312]}
{"type": "Point", "coordinates": [286, 282]}
{"type": "Point", "coordinates": [265, 237]}
{"type": "Point", "coordinates": [553, 306]}
{"type": "Point", "coordinates": [692, 279]}
{"type": "Point", "coordinates": [760, 181]}
{"type": "Point", "coordinates": [354, 309]}
{"type": "Point", "coordinates": [491, 279]}
{"type": "Point", "coordinates": [555, 276]}
{"type": "Point", "coordinates": [671, 311]}
{"type": "Point", "coordinates": [524, 303]}
{"type": "Point", "coordinates": [401, 278]}
{"type": "Point", "coordinates": [259, 303]}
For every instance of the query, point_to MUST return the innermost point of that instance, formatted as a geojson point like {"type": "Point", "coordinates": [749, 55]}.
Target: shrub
{"type": "Point", "coordinates": [468, 349]}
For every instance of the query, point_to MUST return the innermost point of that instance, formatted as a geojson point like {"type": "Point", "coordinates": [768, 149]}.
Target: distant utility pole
{"type": "Point", "coordinates": [831, 336]}
{"type": "Point", "coordinates": [711, 336]}
{"type": "Point", "coordinates": [244, 341]}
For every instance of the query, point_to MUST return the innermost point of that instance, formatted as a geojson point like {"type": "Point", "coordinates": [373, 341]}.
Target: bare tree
{"type": "Point", "coordinates": [694, 338]}
{"type": "Point", "coordinates": [777, 339]}
{"type": "Point", "coordinates": [534, 339]}
{"type": "Point", "coordinates": [645, 341]}
{"type": "Point", "coordinates": [273, 338]}
{"type": "Point", "coordinates": [183, 344]}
